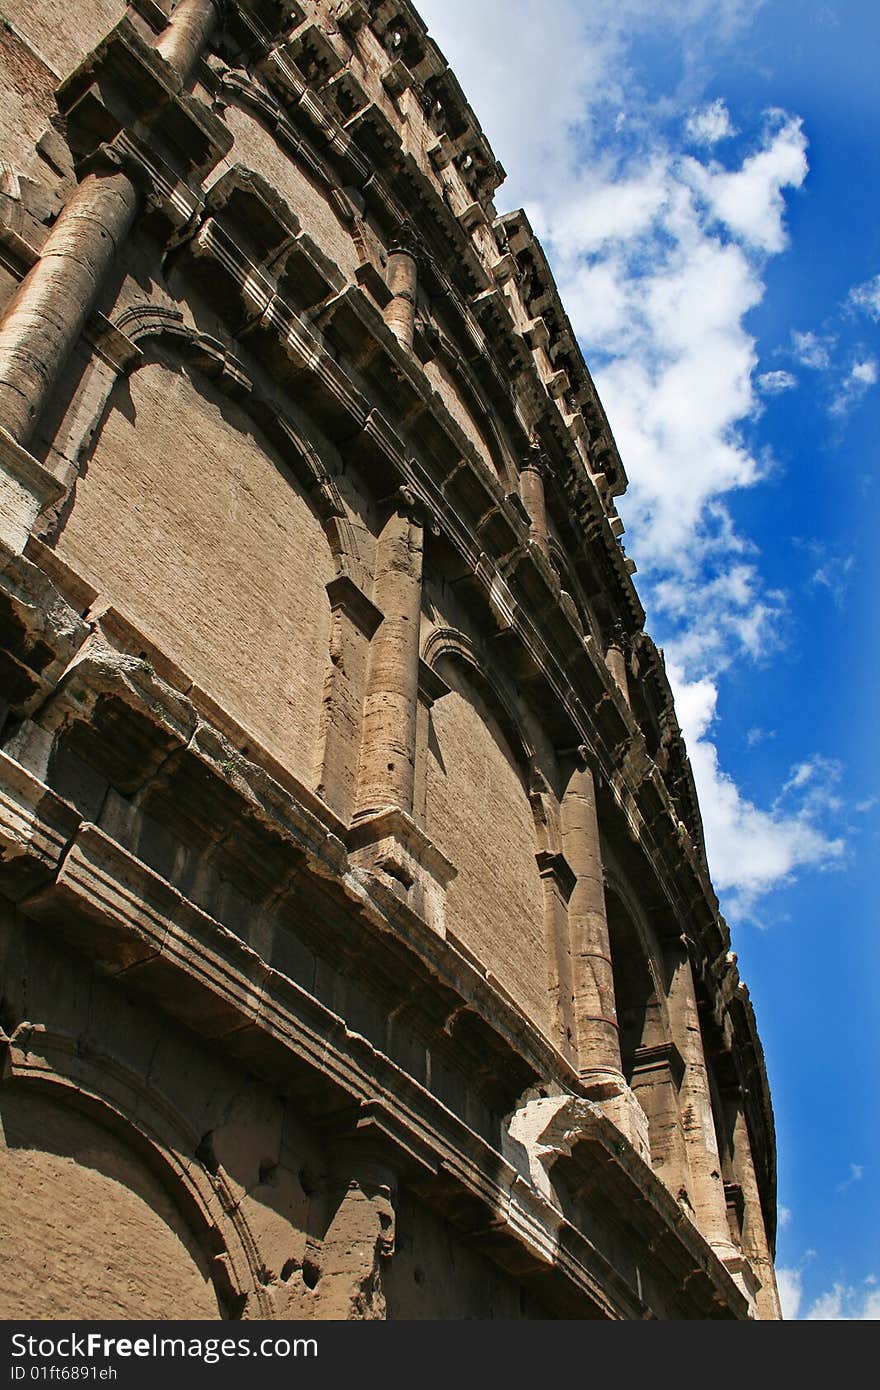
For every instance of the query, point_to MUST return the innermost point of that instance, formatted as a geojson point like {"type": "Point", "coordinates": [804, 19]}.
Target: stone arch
{"type": "Point", "coordinates": [561, 563]}
{"type": "Point", "coordinates": [452, 642]}
{"type": "Point", "coordinates": [297, 158]}
{"type": "Point", "coordinates": [489, 808]}
{"type": "Point", "coordinates": [201, 513]}
{"type": "Point", "coordinates": [132, 1144]}
{"type": "Point", "coordinates": [461, 379]}
{"type": "Point", "coordinates": [151, 323]}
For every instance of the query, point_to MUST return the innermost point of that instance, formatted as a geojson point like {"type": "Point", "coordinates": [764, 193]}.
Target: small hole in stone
{"type": "Point", "coordinates": [268, 1168]}
{"type": "Point", "coordinates": [311, 1273]}
{"type": "Point", "coordinates": [307, 1182]}
{"type": "Point", "coordinates": [290, 1267]}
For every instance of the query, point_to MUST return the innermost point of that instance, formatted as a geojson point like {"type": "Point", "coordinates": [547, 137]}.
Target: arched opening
{"type": "Point", "coordinates": [111, 1244]}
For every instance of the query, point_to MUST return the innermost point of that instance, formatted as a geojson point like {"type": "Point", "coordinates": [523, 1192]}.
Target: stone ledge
{"type": "Point", "coordinates": [27, 488]}
{"type": "Point", "coordinates": [388, 843]}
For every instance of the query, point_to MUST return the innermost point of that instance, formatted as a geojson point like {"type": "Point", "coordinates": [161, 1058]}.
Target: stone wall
{"type": "Point", "coordinates": [185, 519]}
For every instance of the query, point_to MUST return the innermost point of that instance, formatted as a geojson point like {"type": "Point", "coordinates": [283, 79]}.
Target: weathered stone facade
{"type": "Point", "coordinates": [359, 956]}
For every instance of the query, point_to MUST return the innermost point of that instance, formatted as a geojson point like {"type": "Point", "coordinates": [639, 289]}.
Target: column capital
{"type": "Point", "coordinates": [535, 461]}
{"type": "Point", "coordinates": [405, 502]}
{"type": "Point", "coordinates": [618, 636]}
{"type": "Point", "coordinates": [405, 242]}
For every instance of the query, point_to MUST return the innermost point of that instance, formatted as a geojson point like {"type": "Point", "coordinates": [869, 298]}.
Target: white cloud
{"type": "Point", "coordinates": [783, 1216]}
{"type": "Point", "coordinates": [813, 350]}
{"type": "Point", "coordinates": [867, 297]}
{"type": "Point", "coordinates": [752, 850]}
{"type": "Point", "coordinates": [865, 373]}
{"type": "Point", "coordinates": [711, 124]}
{"type": "Point", "coordinates": [843, 1303]}
{"type": "Point", "coordinates": [749, 200]}
{"type": "Point", "coordinates": [773, 383]}
{"type": "Point", "coordinates": [861, 377]}
{"type": "Point", "coordinates": [790, 1285]}
{"type": "Point", "coordinates": [856, 1173]}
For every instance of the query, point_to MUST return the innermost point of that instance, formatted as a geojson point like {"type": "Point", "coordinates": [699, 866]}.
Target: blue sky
{"type": "Point", "coordinates": [704, 175]}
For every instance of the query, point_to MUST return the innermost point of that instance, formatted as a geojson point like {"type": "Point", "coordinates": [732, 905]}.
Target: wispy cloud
{"type": "Point", "coordinates": [813, 349]}
{"type": "Point", "coordinates": [866, 297]}
{"type": "Point", "coordinates": [710, 124]}
{"type": "Point", "coordinates": [856, 1173]}
{"type": "Point", "coordinates": [862, 375]}
{"type": "Point", "coordinates": [752, 849]}
{"type": "Point", "coordinates": [843, 1303]}
{"type": "Point", "coordinates": [757, 735]}
{"type": "Point", "coordinates": [834, 575]}
{"type": "Point", "coordinates": [774, 383]}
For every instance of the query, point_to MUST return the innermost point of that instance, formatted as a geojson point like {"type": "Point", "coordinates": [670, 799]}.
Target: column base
{"type": "Point", "coordinates": [618, 1103]}
{"type": "Point", "coordinates": [27, 488]}
{"type": "Point", "coordinates": [389, 845]}
{"type": "Point", "coordinates": [742, 1274]}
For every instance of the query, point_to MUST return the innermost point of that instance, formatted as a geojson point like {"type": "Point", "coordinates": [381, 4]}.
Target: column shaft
{"type": "Point", "coordinates": [616, 662]}
{"type": "Point", "coordinates": [531, 491]}
{"type": "Point", "coordinates": [400, 311]}
{"type": "Point", "coordinates": [181, 43]}
{"type": "Point", "coordinates": [706, 1188]}
{"type": "Point", "coordinates": [598, 1043]}
{"type": "Point", "coordinates": [387, 761]}
{"type": "Point", "coordinates": [754, 1235]}
{"type": "Point", "coordinates": [52, 304]}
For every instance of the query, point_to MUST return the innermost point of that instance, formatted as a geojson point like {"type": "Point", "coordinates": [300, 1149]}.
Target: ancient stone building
{"type": "Point", "coordinates": [359, 956]}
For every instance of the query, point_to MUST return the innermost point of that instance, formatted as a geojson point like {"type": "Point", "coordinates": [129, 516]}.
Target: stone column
{"type": "Point", "coordinates": [51, 305]}
{"type": "Point", "coordinates": [386, 774]}
{"type": "Point", "coordinates": [181, 43]}
{"type": "Point", "coordinates": [557, 881]}
{"type": "Point", "coordinates": [706, 1185]}
{"type": "Point", "coordinates": [655, 1082]}
{"type": "Point", "coordinates": [49, 310]}
{"type": "Point", "coordinates": [358, 1242]}
{"type": "Point", "coordinates": [384, 838]}
{"type": "Point", "coordinates": [354, 622]}
{"type": "Point", "coordinates": [531, 491]}
{"type": "Point", "coordinates": [616, 661]}
{"type": "Point", "coordinates": [400, 311]}
{"type": "Point", "coordinates": [343, 1270]}
{"type": "Point", "coordinates": [595, 1013]}
{"type": "Point", "coordinates": [754, 1235]}
{"type": "Point", "coordinates": [598, 1041]}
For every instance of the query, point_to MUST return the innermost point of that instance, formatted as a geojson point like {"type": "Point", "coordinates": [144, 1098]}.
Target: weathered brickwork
{"type": "Point", "coordinates": [187, 520]}
{"type": "Point", "coordinates": [358, 955]}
